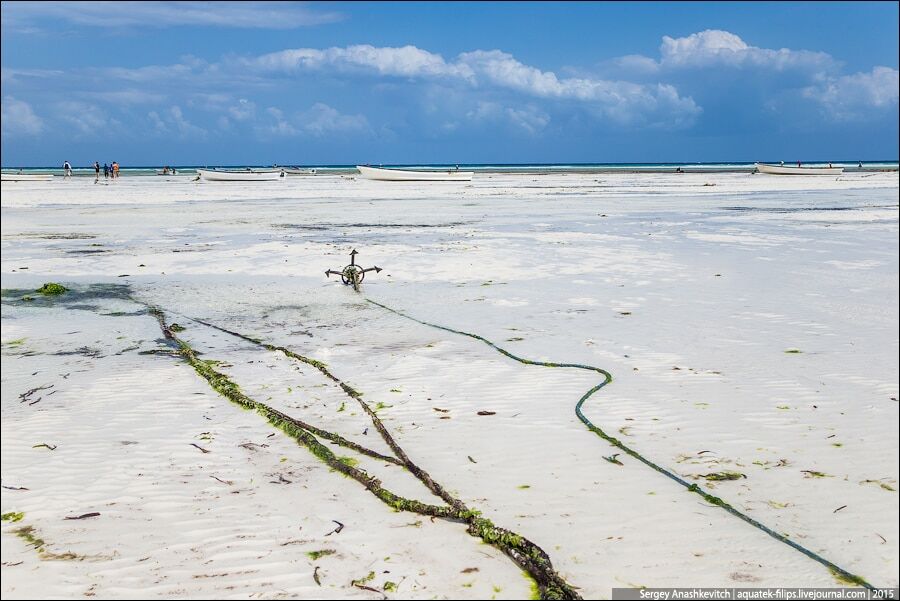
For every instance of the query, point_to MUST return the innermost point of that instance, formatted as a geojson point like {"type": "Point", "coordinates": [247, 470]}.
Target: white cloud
{"type": "Point", "coordinates": [243, 110]}
{"type": "Point", "coordinates": [717, 47]}
{"type": "Point", "coordinates": [851, 96]}
{"type": "Point", "coordinates": [159, 126]}
{"type": "Point", "coordinates": [322, 119]}
{"type": "Point", "coordinates": [282, 126]}
{"type": "Point", "coordinates": [17, 117]}
{"type": "Point", "coordinates": [183, 126]}
{"type": "Point", "coordinates": [622, 102]}
{"type": "Point", "coordinates": [88, 119]}
{"type": "Point", "coordinates": [405, 61]}
{"type": "Point", "coordinates": [255, 15]}
{"type": "Point", "coordinates": [529, 117]}
{"type": "Point", "coordinates": [127, 97]}
{"type": "Point", "coordinates": [318, 120]}
{"type": "Point", "coordinates": [174, 122]}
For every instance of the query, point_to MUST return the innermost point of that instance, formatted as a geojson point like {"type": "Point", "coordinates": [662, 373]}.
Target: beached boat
{"type": "Point", "coordinates": [786, 170]}
{"type": "Point", "coordinates": [298, 171]}
{"type": "Point", "coordinates": [223, 175]}
{"type": "Point", "coordinates": [25, 177]}
{"type": "Point", "coordinates": [401, 175]}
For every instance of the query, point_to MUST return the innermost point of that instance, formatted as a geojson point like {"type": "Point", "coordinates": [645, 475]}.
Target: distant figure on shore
{"type": "Point", "coordinates": [860, 164]}
{"type": "Point", "coordinates": [67, 169]}
{"type": "Point", "coordinates": [798, 164]}
{"type": "Point", "coordinates": [115, 170]}
{"type": "Point", "coordinates": [782, 163]}
{"type": "Point", "coordinates": [105, 171]}
{"type": "Point", "coordinates": [165, 170]}
{"type": "Point", "coordinates": [679, 170]}
{"type": "Point", "coordinates": [96, 172]}
{"type": "Point", "coordinates": [829, 165]}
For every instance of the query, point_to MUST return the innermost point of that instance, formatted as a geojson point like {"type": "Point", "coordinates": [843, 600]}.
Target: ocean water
{"type": "Point", "coordinates": [734, 167]}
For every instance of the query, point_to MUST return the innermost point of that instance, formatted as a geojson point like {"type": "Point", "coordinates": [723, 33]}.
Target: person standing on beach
{"type": "Point", "coordinates": [67, 169]}
{"type": "Point", "coordinates": [96, 172]}
{"type": "Point", "coordinates": [105, 171]}
{"type": "Point", "coordinates": [115, 168]}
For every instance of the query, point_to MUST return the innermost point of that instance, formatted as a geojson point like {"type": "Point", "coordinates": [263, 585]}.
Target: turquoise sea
{"type": "Point", "coordinates": [723, 167]}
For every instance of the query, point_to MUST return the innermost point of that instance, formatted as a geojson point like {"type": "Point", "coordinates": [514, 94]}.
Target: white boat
{"type": "Point", "coordinates": [26, 177]}
{"type": "Point", "coordinates": [786, 170]}
{"type": "Point", "coordinates": [401, 175]}
{"type": "Point", "coordinates": [298, 171]}
{"type": "Point", "coordinates": [216, 175]}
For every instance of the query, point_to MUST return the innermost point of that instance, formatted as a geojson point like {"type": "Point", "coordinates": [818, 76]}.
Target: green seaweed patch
{"type": "Point", "coordinates": [846, 578]}
{"type": "Point", "coordinates": [793, 351]}
{"type": "Point", "coordinates": [362, 581]}
{"type": "Point", "coordinates": [176, 327]}
{"type": "Point", "coordinates": [883, 485]}
{"type": "Point", "coordinates": [16, 342]}
{"type": "Point", "coordinates": [348, 461]}
{"type": "Point", "coordinates": [814, 474]}
{"type": "Point", "coordinates": [523, 486]}
{"type": "Point", "coordinates": [52, 289]}
{"type": "Point", "coordinates": [723, 476]}
{"type": "Point", "coordinates": [12, 516]}
{"type": "Point", "coordinates": [49, 295]}
{"type": "Point", "coordinates": [343, 406]}
{"type": "Point", "coordinates": [315, 555]}
{"type": "Point", "coordinates": [389, 587]}
{"type": "Point", "coordinates": [379, 406]}
{"type": "Point", "coordinates": [28, 534]}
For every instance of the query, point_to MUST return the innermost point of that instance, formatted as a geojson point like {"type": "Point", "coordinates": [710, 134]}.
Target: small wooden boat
{"type": "Point", "coordinates": [790, 170]}
{"type": "Point", "coordinates": [401, 175]}
{"type": "Point", "coordinates": [26, 177]}
{"type": "Point", "coordinates": [248, 175]}
{"type": "Point", "coordinates": [298, 171]}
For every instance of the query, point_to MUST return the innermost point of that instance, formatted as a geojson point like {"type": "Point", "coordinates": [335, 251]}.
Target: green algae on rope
{"type": "Point", "coordinates": [536, 563]}
{"type": "Point", "coordinates": [837, 572]}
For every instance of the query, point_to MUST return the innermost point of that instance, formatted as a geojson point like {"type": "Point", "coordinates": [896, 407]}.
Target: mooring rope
{"type": "Point", "coordinates": [837, 571]}
{"type": "Point", "coordinates": [535, 562]}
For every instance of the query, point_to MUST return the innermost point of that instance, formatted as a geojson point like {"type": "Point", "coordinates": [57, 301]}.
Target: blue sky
{"type": "Point", "coordinates": [153, 83]}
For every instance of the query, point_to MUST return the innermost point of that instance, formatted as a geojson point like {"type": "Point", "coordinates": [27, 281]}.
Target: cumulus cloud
{"type": "Point", "coordinates": [318, 120]}
{"type": "Point", "coordinates": [850, 96]}
{"type": "Point", "coordinates": [622, 102]}
{"type": "Point", "coordinates": [405, 61]}
{"type": "Point", "coordinates": [243, 110]}
{"type": "Point", "coordinates": [127, 97]}
{"type": "Point", "coordinates": [251, 15]}
{"type": "Point", "coordinates": [173, 122]}
{"type": "Point", "coordinates": [529, 118]}
{"type": "Point", "coordinates": [88, 119]}
{"type": "Point", "coordinates": [322, 119]}
{"type": "Point", "coordinates": [717, 47]}
{"type": "Point", "coordinates": [17, 117]}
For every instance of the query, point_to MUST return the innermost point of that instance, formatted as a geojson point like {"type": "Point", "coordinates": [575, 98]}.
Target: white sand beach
{"type": "Point", "coordinates": [750, 324]}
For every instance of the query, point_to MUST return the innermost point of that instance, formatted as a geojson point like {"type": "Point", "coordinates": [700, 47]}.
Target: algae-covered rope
{"type": "Point", "coordinates": [529, 556]}
{"type": "Point", "coordinates": [836, 570]}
